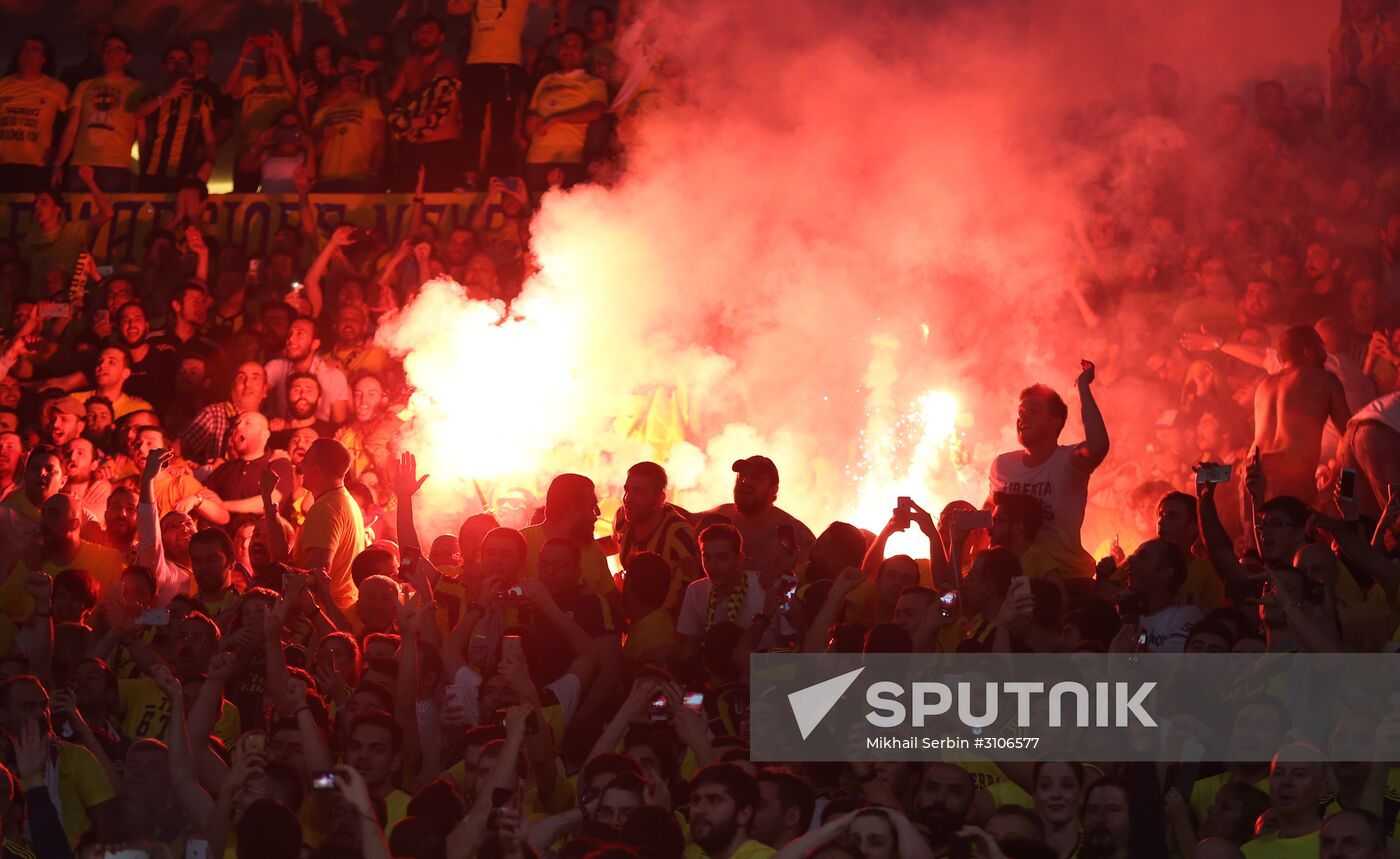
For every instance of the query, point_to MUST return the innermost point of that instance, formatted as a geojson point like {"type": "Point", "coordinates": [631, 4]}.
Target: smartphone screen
{"type": "Point", "coordinates": [1347, 482]}
{"type": "Point", "coordinates": [787, 538]}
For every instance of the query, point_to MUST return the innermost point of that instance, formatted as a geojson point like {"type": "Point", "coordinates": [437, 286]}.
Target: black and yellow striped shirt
{"type": "Point", "coordinates": [173, 146]}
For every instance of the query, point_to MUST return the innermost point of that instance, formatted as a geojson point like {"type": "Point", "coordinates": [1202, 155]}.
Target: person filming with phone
{"type": "Point", "coordinates": [1057, 474]}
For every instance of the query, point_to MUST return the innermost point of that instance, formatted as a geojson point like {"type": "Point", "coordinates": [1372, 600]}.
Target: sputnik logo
{"type": "Point", "coordinates": [810, 705]}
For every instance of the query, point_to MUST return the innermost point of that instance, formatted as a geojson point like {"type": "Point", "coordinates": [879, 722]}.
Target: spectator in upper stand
{"type": "Point", "coordinates": [600, 26]}
{"type": "Point", "coordinates": [1058, 474]}
{"type": "Point", "coordinates": [1297, 783]}
{"type": "Point", "coordinates": [561, 109]}
{"type": "Point", "coordinates": [300, 354]}
{"type": "Point", "coordinates": [60, 546]}
{"type": "Point", "coordinates": [1291, 407]}
{"type": "Point", "coordinates": [349, 129]}
{"type": "Point", "coordinates": [262, 96]}
{"type": "Point", "coordinates": [109, 376]}
{"type": "Point", "coordinates": [82, 460]}
{"type": "Point", "coordinates": [65, 421]}
{"type": "Point", "coordinates": [102, 124]}
{"type": "Point", "coordinates": [186, 320]}
{"type": "Point", "coordinates": [236, 481]}
{"type": "Point", "coordinates": [1156, 570]}
{"type": "Point", "coordinates": [178, 138]}
{"type": "Point", "coordinates": [723, 799]}
{"type": "Point", "coordinates": [355, 350]}
{"type": "Point", "coordinates": [153, 361]}
{"type": "Point", "coordinates": [1107, 823]}
{"type": "Point", "coordinates": [280, 153]}
{"type": "Point", "coordinates": [647, 523]}
{"type": "Point", "coordinates": [1016, 522]}
{"type": "Point", "coordinates": [570, 511]}
{"type": "Point", "coordinates": [334, 532]}
{"type": "Point", "coordinates": [1178, 524]}
{"type": "Point", "coordinates": [175, 489]}
{"type": "Point", "coordinates": [427, 116]}
{"type": "Point", "coordinates": [201, 58]}
{"type": "Point", "coordinates": [371, 432]}
{"type": "Point", "coordinates": [303, 401]}
{"type": "Point", "coordinates": [206, 436]}
{"type": "Point", "coordinates": [1352, 833]}
{"type": "Point", "coordinates": [756, 515]}
{"type": "Point", "coordinates": [56, 241]}
{"type": "Point", "coordinates": [30, 102]}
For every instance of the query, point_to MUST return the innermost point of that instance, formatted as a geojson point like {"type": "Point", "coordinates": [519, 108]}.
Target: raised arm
{"type": "Point", "coordinates": [406, 485]}
{"type": "Point", "coordinates": [1091, 452]}
{"type": "Point", "coordinates": [343, 236]}
{"type": "Point", "coordinates": [197, 802]}
{"type": "Point", "coordinates": [830, 612]}
{"type": "Point", "coordinates": [65, 145]}
{"type": "Point", "coordinates": [276, 537]}
{"type": "Point", "coordinates": [1213, 534]}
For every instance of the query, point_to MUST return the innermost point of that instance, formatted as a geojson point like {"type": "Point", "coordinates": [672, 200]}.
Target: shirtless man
{"type": "Point", "coordinates": [1055, 474]}
{"type": "Point", "coordinates": [426, 117]}
{"type": "Point", "coordinates": [759, 520]}
{"type": "Point", "coordinates": [1291, 407]}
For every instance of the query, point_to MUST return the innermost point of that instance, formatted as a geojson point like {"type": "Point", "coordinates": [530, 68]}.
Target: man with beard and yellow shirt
{"type": "Point", "coordinates": [564, 103]}
{"type": "Point", "coordinates": [30, 102]}
{"type": "Point", "coordinates": [102, 123]}
{"type": "Point", "coordinates": [349, 131]}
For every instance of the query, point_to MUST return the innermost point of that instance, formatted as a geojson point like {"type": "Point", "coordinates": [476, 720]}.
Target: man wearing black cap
{"type": "Point", "coordinates": [570, 511]}
{"type": "Point", "coordinates": [765, 527]}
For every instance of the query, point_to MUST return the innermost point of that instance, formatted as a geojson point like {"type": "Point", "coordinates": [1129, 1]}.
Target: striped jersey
{"type": "Point", "coordinates": [173, 146]}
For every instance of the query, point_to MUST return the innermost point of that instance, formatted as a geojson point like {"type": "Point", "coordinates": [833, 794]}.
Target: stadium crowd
{"type": "Point", "coordinates": [221, 631]}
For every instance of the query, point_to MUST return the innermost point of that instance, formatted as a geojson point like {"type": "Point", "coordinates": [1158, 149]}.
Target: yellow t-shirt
{"type": "Point", "coordinates": [395, 808]}
{"type": "Point", "coordinates": [123, 406]}
{"type": "Point", "coordinates": [348, 127]}
{"type": "Point", "coordinates": [1204, 791]}
{"type": "Point", "coordinates": [657, 629]}
{"type": "Point", "coordinates": [334, 523]}
{"type": "Point", "coordinates": [106, 117]}
{"type": "Point", "coordinates": [561, 92]}
{"type": "Point", "coordinates": [28, 110]}
{"type": "Point", "coordinates": [496, 29]}
{"type": "Point", "coordinates": [595, 563]}
{"type": "Point", "coordinates": [105, 565]}
{"type": "Point", "coordinates": [1274, 847]}
{"type": "Point", "coordinates": [748, 850]}
{"type": "Point", "coordinates": [167, 491]}
{"type": "Point", "coordinates": [261, 99]}
{"type": "Point", "coordinates": [1203, 587]}
{"type": "Point", "coordinates": [58, 249]}
{"type": "Point", "coordinates": [82, 784]}
{"type": "Point", "coordinates": [145, 712]}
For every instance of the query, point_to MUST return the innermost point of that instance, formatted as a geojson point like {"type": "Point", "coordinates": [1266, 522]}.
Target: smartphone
{"type": "Point", "coordinates": [948, 600]}
{"type": "Point", "coordinates": [514, 591]}
{"type": "Point", "coordinates": [196, 848]}
{"type": "Point", "coordinates": [1211, 473]}
{"type": "Point", "coordinates": [255, 744]}
{"type": "Point", "coordinates": [106, 271]}
{"type": "Point", "coordinates": [660, 710]}
{"type": "Point", "coordinates": [1241, 589]}
{"type": "Point", "coordinates": [787, 538]}
{"type": "Point", "coordinates": [789, 588]}
{"type": "Point", "coordinates": [154, 617]}
{"type": "Point", "coordinates": [694, 701]}
{"type": "Point", "coordinates": [514, 186]}
{"type": "Point", "coordinates": [1347, 484]}
{"type": "Point", "coordinates": [903, 507]}
{"type": "Point", "coordinates": [1167, 418]}
{"type": "Point", "coordinates": [502, 797]}
{"type": "Point", "coordinates": [406, 564]}
{"type": "Point", "coordinates": [323, 781]}
{"type": "Point", "coordinates": [972, 520]}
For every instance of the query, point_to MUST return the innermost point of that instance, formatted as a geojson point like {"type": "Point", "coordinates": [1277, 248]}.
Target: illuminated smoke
{"type": "Point", "coordinates": [846, 246]}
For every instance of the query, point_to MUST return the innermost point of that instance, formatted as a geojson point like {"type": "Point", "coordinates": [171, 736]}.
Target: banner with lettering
{"type": "Point", "coordinates": [249, 220]}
